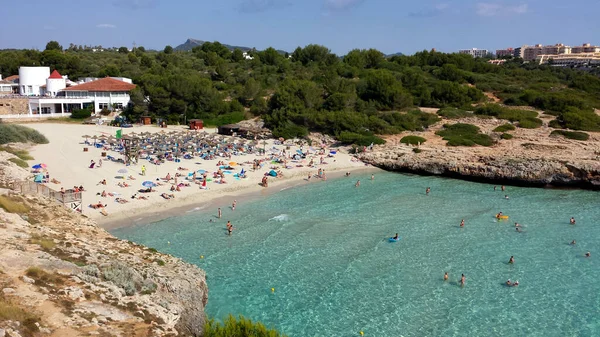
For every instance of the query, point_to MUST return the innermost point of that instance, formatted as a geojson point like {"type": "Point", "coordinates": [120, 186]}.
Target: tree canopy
{"type": "Point", "coordinates": [354, 97]}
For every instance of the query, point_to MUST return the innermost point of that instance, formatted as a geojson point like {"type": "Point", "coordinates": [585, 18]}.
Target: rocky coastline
{"type": "Point", "coordinates": [62, 275]}
{"type": "Point", "coordinates": [533, 169]}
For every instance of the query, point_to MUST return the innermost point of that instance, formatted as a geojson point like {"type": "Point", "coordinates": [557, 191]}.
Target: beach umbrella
{"type": "Point", "coordinates": [122, 171]}
{"type": "Point", "coordinates": [39, 166]}
{"type": "Point", "coordinates": [148, 184]}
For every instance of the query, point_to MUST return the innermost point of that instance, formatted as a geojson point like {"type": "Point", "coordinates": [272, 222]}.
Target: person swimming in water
{"type": "Point", "coordinates": [357, 183]}
{"type": "Point", "coordinates": [517, 224]}
{"type": "Point", "coordinates": [519, 229]}
{"type": "Point", "coordinates": [573, 242]}
{"type": "Point", "coordinates": [511, 260]}
{"type": "Point", "coordinates": [446, 276]}
{"type": "Point", "coordinates": [508, 283]}
{"type": "Point", "coordinates": [505, 196]}
{"type": "Point", "coordinates": [463, 279]}
{"type": "Point", "coordinates": [572, 220]}
{"type": "Point", "coordinates": [462, 223]}
{"type": "Point", "coordinates": [499, 215]}
{"type": "Point", "coordinates": [588, 254]}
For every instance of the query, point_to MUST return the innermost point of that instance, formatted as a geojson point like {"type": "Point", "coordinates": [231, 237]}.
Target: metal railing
{"type": "Point", "coordinates": [30, 187]}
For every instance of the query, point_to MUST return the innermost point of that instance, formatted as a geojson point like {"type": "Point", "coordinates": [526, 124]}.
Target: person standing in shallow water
{"type": "Point", "coordinates": [220, 212]}
{"type": "Point", "coordinates": [427, 191]}
{"type": "Point", "coordinates": [446, 276]}
{"type": "Point", "coordinates": [572, 221]}
{"type": "Point", "coordinates": [233, 205]}
{"type": "Point", "coordinates": [463, 279]}
{"type": "Point", "coordinates": [462, 223]}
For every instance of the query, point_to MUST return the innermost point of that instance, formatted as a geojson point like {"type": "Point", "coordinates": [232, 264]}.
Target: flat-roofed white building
{"type": "Point", "coordinates": [32, 80]}
{"type": "Point", "coordinates": [106, 93]}
{"type": "Point", "coordinates": [474, 52]}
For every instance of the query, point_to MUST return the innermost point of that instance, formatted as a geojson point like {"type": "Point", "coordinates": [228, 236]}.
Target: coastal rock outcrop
{"type": "Point", "coordinates": [72, 278]}
{"type": "Point", "coordinates": [539, 167]}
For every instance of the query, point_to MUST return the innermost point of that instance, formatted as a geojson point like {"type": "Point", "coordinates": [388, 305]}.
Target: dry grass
{"type": "Point", "coordinates": [12, 312]}
{"type": "Point", "coordinates": [22, 154]}
{"type": "Point", "coordinates": [12, 205]}
{"type": "Point", "coordinates": [42, 277]}
{"type": "Point", "coordinates": [46, 243]}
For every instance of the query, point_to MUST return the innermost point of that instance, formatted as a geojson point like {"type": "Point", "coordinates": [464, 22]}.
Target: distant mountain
{"type": "Point", "coordinates": [191, 43]}
{"type": "Point", "coordinates": [395, 54]}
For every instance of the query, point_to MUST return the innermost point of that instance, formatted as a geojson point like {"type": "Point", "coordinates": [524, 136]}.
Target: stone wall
{"type": "Point", "coordinates": [13, 106]}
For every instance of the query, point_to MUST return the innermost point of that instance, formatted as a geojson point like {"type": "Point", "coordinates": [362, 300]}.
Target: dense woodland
{"type": "Point", "coordinates": [354, 97]}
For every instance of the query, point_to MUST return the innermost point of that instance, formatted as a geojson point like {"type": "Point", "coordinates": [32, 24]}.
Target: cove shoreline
{"type": "Point", "coordinates": [243, 194]}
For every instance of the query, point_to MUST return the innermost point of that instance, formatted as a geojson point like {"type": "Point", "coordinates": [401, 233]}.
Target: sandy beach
{"type": "Point", "coordinates": [68, 163]}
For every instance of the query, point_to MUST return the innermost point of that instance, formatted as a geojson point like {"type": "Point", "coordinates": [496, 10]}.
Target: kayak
{"type": "Point", "coordinates": [394, 240]}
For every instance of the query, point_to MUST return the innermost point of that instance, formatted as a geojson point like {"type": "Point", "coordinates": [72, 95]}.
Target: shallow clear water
{"type": "Point", "coordinates": [323, 247]}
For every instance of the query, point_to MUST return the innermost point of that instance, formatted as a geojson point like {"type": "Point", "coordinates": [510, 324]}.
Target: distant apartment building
{"type": "Point", "coordinates": [474, 52]}
{"type": "Point", "coordinates": [505, 52]}
{"type": "Point", "coordinates": [571, 60]}
{"type": "Point", "coordinates": [585, 48]}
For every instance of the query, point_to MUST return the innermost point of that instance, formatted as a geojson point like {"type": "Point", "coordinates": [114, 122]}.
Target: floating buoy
{"type": "Point", "coordinates": [362, 333]}
{"type": "Point", "coordinates": [201, 256]}
{"type": "Point", "coordinates": [168, 242]}
{"type": "Point", "coordinates": [272, 290]}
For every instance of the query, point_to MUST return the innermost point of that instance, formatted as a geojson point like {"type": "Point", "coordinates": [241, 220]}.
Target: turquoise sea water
{"type": "Point", "coordinates": [323, 247]}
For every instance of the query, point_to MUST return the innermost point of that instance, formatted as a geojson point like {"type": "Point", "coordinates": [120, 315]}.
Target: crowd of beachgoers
{"type": "Point", "coordinates": [154, 166]}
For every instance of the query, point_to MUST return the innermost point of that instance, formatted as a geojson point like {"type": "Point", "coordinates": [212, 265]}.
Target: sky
{"type": "Point", "coordinates": [341, 25]}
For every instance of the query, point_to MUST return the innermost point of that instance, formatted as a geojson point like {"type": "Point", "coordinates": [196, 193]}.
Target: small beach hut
{"type": "Point", "coordinates": [196, 124]}
{"type": "Point", "coordinates": [146, 120]}
{"type": "Point", "coordinates": [229, 129]}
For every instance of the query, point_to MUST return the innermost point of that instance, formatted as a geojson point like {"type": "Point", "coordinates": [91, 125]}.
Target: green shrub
{"type": "Point", "coordinates": [12, 133]}
{"type": "Point", "coordinates": [366, 139]}
{"type": "Point", "coordinates": [576, 135]}
{"type": "Point", "coordinates": [413, 140]}
{"type": "Point", "coordinates": [504, 128]}
{"type": "Point", "coordinates": [461, 134]}
{"type": "Point", "coordinates": [81, 114]}
{"type": "Point", "coordinates": [527, 119]}
{"type": "Point", "coordinates": [290, 131]}
{"type": "Point", "coordinates": [240, 327]}
{"type": "Point", "coordinates": [19, 162]}
{"type": "Point", "coordinates": [454, 113]}
{"type": "Point", "coordinates": [577, 119]}
{"type": "Point", "coordinates": [506, 136]}
{"type": "Point", "coordinates": [530, 123]}
{"type": "Point", "coordinates": [554, 124]}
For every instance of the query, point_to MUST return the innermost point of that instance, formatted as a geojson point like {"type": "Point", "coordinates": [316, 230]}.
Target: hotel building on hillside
{"type": "Point", "coordinates": [571, 60]}
{"type": "Point", "coordinates": [106, 93]}
{"type": "Point", "coordinates": [51, 94]}
{"type": "Point", "coordinates": [474, 52]}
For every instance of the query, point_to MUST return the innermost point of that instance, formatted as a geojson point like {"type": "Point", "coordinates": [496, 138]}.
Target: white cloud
{"type": "Point", "coordinates": [105, 25]}
{"type": "Point", "coordinates": [341, 4]}
{"type": "Point", "coordinates": [493, 9]}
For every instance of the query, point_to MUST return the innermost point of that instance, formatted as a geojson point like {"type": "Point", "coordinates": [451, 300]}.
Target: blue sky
{"type": "Point", "coordinates": [388, 25]}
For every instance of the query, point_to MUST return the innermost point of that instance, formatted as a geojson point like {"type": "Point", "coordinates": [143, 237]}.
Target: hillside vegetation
{"type": "Point", "coordinates": [356, 96]}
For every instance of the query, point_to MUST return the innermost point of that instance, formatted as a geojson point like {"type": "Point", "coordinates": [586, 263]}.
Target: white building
{"type": "Point", "coordinates": [247, 56]}
{"type": "Point", "coordinates": [474, 52]}
{"type": "Point", "coordinates": [32, 79]}
{"type": "Point", "coordinates": [106, 93]}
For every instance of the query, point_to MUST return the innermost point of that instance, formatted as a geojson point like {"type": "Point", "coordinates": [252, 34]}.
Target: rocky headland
{"type": "Point", "coordinates": [531, 158]}
{"type": "Point", "coordinates": [62, 275]}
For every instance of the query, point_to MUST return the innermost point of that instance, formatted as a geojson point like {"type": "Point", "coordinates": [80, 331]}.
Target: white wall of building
{"type": "Point", "coordinates": [54, 85]}
{"type": "Point", "coordinates": [31, 79]}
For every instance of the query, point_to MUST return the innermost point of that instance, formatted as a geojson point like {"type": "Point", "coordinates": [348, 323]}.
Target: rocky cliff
{"type": "Point", "coordinates": [61, 275]}
{"type": "Point", "coordinates": [531, 158]}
